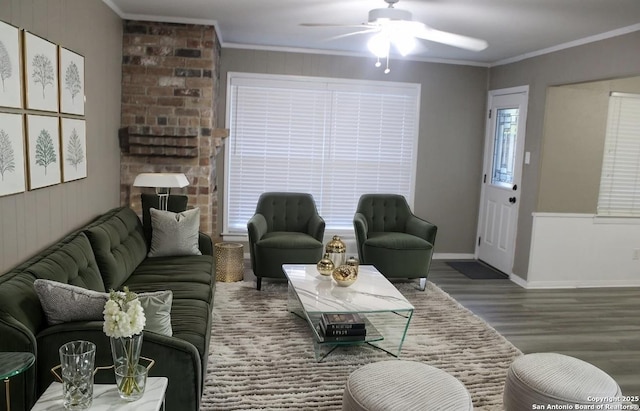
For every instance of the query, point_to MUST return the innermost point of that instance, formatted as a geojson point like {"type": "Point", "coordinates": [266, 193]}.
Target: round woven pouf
{"type": "Point", "coordinates": [543, 379]}
{"type": "Point", "coordinates": [404, 386]}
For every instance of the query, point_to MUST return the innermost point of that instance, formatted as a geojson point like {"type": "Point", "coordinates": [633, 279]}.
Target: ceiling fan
{"type": "Point", "coordinates": [396, 27]}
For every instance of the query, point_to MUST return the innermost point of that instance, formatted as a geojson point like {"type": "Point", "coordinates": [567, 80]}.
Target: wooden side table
{"type": "Point", "coordinates": [12, 364]}
{"type": "Point", "coordinates": [229, 262]}
{"type": "Point", "coordinates": [105, 397]}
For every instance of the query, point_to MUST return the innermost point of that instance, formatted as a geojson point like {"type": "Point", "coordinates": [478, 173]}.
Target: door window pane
{"type": "Point", "coordinates": [504, 146]}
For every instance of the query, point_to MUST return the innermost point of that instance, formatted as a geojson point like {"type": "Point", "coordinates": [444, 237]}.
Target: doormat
{"type": "Point", "coordinates": [477, 270]}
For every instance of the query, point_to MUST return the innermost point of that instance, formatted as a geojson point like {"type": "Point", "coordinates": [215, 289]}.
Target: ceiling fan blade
{"type": "Point", "coordinates": [451, 39]}
{"type": "Point", "coordinates": [371, 30]}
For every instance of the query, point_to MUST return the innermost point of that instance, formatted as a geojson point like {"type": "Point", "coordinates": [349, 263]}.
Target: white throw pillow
{"type": "Point", "coordinates": [174, 234]}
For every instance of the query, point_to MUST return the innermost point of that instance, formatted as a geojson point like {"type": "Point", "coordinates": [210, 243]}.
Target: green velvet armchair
{"type": "Point", "coordinates": [286, 229]}
{"type": "Point", "coordinates": [391, 238]}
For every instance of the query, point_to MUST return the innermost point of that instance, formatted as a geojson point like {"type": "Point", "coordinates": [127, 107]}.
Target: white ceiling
{"type": "Point", "coordinates": [514, 29]}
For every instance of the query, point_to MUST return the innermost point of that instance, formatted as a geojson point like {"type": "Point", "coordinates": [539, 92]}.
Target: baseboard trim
{"type": "Point", "coordinates": [436, 256]}
{"type": "Point", "coordinates": [453, 256]}
{"type": "Point", "coordinates": [518, 280]}
{"type": "Point", "coordinates": [532, 285]}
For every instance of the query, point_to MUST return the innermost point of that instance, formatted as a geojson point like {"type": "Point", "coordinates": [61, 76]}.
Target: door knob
{"type": "Point", "coordinates": [512, 200]}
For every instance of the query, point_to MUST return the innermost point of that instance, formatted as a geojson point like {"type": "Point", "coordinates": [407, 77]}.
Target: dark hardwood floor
{"type": "Point", "coordinates": [598, 325]}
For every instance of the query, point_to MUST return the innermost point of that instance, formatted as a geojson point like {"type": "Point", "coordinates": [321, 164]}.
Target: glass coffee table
{"type": "Point", "coordinates": [385, 311]}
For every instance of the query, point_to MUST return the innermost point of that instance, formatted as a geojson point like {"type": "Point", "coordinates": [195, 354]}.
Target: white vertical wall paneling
{"type": "Point", "coordinates": [20, 213]}
{"type": "Point", "coordinates": [582, 250]}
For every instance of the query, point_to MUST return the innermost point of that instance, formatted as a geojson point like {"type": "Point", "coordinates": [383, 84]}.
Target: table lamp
{"type": "Point", "coordinates": [163, 183]}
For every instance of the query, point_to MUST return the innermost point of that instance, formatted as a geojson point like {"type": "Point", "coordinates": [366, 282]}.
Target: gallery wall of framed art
{"type": "Point", "coordinates": [43, 138]}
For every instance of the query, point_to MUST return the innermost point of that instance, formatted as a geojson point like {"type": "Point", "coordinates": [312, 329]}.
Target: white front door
{"type": "Point", "coordinates": [501, 183]}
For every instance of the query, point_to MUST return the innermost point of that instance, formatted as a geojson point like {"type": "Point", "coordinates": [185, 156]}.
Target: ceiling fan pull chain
{"type": "Point", "coordinates": [378, 64]}
{"type": "Point", "coordinates": [387, 70]}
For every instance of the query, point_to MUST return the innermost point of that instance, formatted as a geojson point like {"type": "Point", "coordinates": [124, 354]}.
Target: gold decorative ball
{"type": "Point", "coordinates": [325, 266]}
{"type": "Point", "coordinates": [345, 275]}
{"type": "Point", "coordinates": [353, 262]}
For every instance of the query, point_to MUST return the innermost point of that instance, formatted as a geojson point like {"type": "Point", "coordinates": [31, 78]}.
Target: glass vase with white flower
{"type": "Point", "coordinates": [124, 321]}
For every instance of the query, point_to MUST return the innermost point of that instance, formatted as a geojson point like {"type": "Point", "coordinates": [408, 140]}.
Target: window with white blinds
{"type": "Point", "coordinates": [333, 138]}
{"type": "Point", "coordinates": [620, 181]}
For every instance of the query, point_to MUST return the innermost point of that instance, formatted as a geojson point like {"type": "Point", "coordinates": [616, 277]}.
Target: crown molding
{"type": "Point", "coordinates": [349, 54]}
{"type": "Point", "coordinates": [586, 40]}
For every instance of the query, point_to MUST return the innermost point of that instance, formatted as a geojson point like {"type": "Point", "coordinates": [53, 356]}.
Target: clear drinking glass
{"type": "Point", "coordinates": [77, 360]}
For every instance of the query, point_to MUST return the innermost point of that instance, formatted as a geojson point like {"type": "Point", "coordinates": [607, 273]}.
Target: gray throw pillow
{"type": "Point", "coordinates": [174, 234]}
{"type": "Point", "coordinates": [65, 303]}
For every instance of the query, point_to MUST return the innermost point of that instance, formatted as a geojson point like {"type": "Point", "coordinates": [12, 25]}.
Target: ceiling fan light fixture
{"type": "Point", "coordinates": [403, 40]}
{"type": "Point", "coordinates": [379, 44]}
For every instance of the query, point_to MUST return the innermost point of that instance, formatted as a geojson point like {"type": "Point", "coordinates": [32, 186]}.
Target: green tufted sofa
{"type": "Point", "coordinates": [111, 252]}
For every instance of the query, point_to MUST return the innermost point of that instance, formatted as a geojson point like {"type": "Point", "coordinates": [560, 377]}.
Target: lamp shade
{"type": "Point", "coordinates": [164, 180]}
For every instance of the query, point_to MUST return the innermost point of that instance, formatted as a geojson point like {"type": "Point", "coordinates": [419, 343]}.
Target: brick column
{"type": "Point", "coordinates": [170, 85]}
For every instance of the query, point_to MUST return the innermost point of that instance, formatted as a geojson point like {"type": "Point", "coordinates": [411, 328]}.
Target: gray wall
{"type": "Point", "coordinates": [574, 129]}
{"type": "Point", "coordinates": [451, 128]}
{"type": "Point", "coordinates": [573, 144]}
{"type": "Point", "coordinates": [35, 219]}
{"type": "Point", "coordinates": [611, 58]}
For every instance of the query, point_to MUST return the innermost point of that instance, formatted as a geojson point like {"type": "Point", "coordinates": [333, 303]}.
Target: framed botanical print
{"type": "Point", "coordinates": [10, 75]}
{"type": "Point", "coordinates": [74, 149]}
{"type": "Point", "coordinates": [43, 144]}
{"type": "Point", "coordinates": [12, 168]}
{"type": "Point", "coordinates": [71, 82]}
{"type": "Point", "coordinates": [41, 73]}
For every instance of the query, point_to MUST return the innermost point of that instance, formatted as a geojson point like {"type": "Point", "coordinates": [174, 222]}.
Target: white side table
{"type": "Point", "coordinates": [105, 397]}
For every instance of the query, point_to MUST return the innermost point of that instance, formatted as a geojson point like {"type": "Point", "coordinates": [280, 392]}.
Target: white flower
{"type": "Point", "coordinates": [123, 314]}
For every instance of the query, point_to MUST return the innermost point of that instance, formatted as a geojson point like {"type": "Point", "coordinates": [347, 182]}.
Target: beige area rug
{"type": "Point", "coordinates": [261, 356]}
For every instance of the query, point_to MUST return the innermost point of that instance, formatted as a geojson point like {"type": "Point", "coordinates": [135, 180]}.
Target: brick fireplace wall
{"type": "Point", "coordinates": [170, 85]}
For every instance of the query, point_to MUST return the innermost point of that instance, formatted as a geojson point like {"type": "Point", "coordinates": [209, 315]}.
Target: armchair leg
{"type": "Point", "coordinates": [423, 283]}
{"type": "Point", "coordinates": [259, 283]}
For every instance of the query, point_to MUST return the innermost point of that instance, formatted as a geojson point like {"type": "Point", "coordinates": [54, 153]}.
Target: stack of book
{"type": "Point", "coordinates": [342, 327]}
